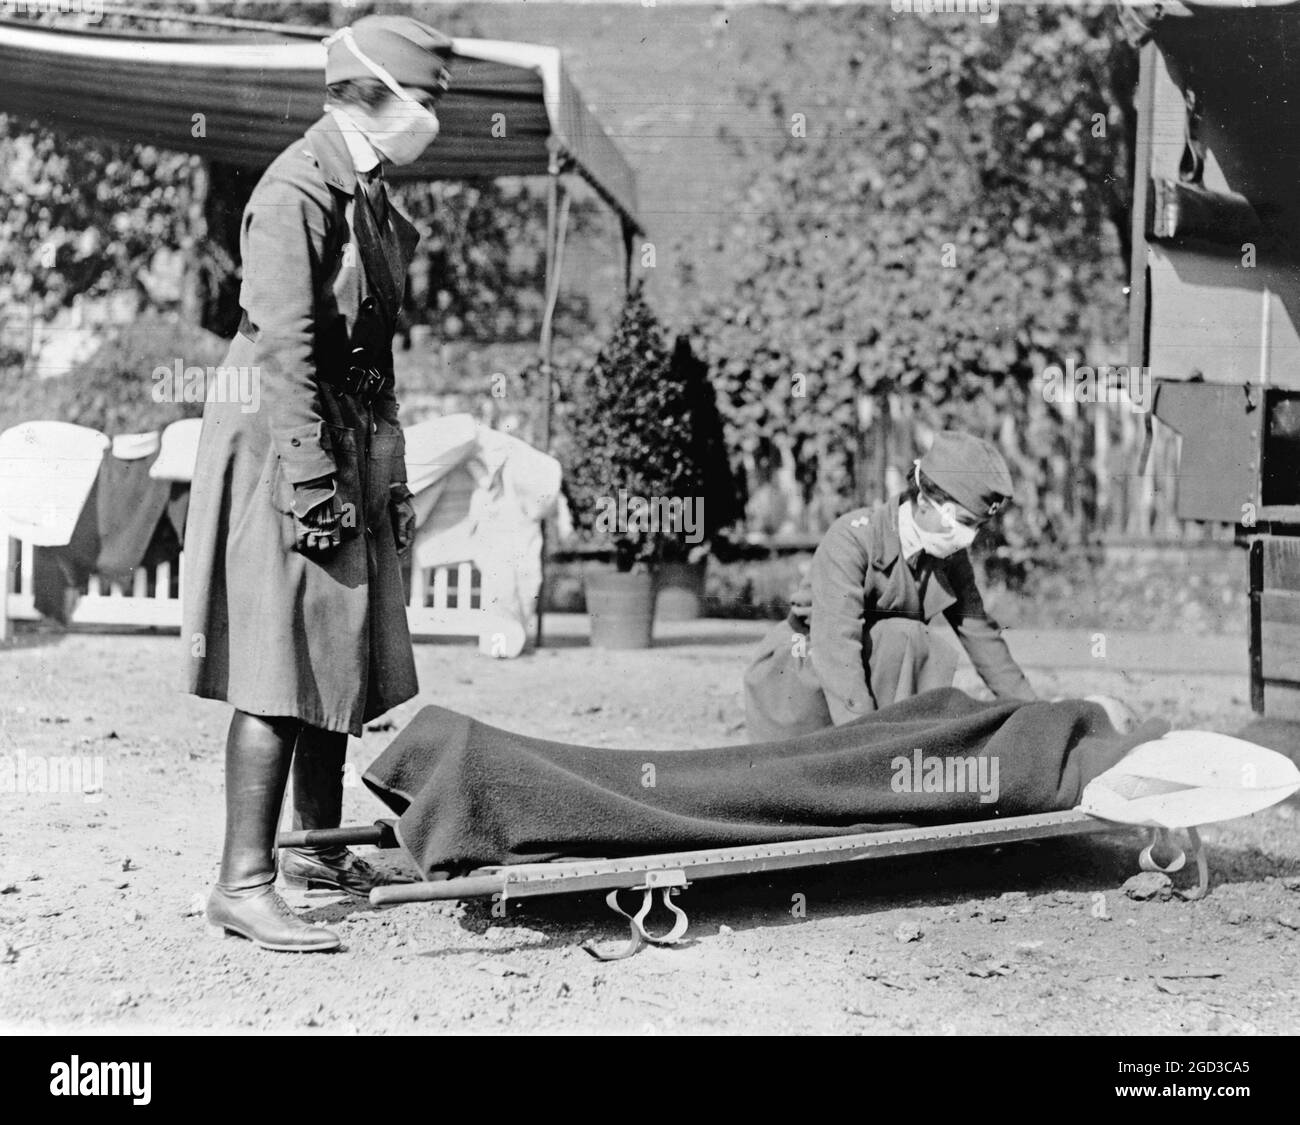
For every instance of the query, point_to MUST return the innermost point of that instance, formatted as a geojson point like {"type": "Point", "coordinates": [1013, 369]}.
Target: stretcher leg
{"type": "Point", "coordinates": [1163, 838]}
{"type": "Point", "coordinates": [668, 884]}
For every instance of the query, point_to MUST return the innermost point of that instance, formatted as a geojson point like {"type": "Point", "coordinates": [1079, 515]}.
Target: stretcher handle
{"type": "Point", "coordinates": [472, 886]}
{"type": "Point", "coordinates": [380, 834]}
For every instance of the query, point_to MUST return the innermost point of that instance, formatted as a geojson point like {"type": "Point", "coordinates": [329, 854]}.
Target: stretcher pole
{"type": "Point", "coordinates": [380, 834]}
{"type": "Point", "coordinates": [530, 880]}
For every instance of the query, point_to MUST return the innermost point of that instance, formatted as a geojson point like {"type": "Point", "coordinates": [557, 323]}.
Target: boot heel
{"type": "Point", "coordinates": [219, 934]}
{"type": "Point", "coordinates": [304, 884]}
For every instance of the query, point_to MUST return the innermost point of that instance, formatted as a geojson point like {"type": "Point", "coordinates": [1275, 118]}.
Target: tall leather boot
{"type": "Point", "coordinates": [318, 761]}
{"type": "Point", "coordinates": [244, 901]}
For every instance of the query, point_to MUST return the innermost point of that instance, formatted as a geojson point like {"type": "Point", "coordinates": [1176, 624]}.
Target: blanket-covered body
{"type": "Point", "coordinates": [469, 794]}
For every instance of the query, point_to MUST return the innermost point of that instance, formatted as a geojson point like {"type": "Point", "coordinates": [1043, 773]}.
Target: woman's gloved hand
{"type": "Point", "coordinates": [403, 515]}
{"type": "Point", "coordinates": [801, 596]}
{"type": "Point", "coordinates": [317, 519]}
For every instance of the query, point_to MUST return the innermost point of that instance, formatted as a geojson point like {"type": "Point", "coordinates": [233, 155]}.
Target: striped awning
{"type": "Point", "coordinates": [509, 105]}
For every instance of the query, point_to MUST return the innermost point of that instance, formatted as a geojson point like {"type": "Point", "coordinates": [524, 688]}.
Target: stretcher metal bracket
{"type": "Point", "coordinates": [1163, 838]}
{"type": "Point", "coordinates": [668, 884]}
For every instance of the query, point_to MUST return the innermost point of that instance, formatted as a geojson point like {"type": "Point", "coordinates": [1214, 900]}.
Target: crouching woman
{"type": "Point", "coordinates": [860, 634]}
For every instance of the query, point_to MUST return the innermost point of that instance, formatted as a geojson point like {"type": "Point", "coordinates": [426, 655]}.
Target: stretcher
{"type": "Point", "coordinates": [661, 878]}
{"type": "Point", "coordinates": [1176, 783]}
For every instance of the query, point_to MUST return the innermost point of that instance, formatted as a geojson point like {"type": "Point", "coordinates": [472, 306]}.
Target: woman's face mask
{"type": "Point", "coordinates": [401, 129]}
{"type": "Point", "coordinates": [952, 536]}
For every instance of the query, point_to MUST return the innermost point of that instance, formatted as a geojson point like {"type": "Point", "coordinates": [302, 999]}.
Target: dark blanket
{"type": "Point", "coordinates": [128, 520]}
{"type": "Point", "coordinates": [470, 794]}
{"type": "Point", "coordinates": [141, 520]}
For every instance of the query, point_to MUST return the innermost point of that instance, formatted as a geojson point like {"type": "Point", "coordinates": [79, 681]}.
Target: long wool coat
{"type": "Point", "coordinates": [268, 629]}
{"type": "Point", "coordinates": [859, 578]}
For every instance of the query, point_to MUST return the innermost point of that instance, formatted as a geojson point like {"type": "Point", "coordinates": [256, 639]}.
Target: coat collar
{"type": "Point", "coordinates": [328, 147]}
{"type": "Point", "coordinates": [879, 525]}
{"type": "Point", "coordinates": [885, 543]}
{"type": "Point", "coordinates": [365, 158]}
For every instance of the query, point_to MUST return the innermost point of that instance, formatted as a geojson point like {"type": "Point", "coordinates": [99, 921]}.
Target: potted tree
{"type": "Point", "coordinates": [630, 475]}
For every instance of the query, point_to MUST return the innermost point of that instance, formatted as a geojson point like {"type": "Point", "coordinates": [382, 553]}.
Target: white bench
{"type": "Point", "coordinates": [454, 601]}
{"type": "Point", "coordinates": [445, 601]}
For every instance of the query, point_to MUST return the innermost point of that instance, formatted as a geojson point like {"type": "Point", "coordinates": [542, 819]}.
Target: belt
{"type": "Point", "coordinates": [362, 379]}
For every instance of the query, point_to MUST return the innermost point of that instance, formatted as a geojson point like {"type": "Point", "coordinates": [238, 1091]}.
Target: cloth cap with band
{"type": "Point", "coordinates": [970, 470]}
{"type": "Point", "coordinates": [397, 50]}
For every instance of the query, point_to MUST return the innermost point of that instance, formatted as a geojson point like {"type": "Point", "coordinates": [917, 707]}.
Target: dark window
{"type": "Point", "coordinates": [1281, 469]}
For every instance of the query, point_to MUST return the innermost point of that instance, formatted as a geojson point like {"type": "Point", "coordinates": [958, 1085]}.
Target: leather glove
{"type": "Point", "coordinates": [403, 514]}
{"type": "Point", "coordinates": [317, 517]}
{"type": "Point", "coordinates": [801, 600]}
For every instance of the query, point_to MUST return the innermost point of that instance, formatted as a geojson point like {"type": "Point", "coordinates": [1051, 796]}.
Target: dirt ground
{"type": "Point", "coordinates": [99, 928]}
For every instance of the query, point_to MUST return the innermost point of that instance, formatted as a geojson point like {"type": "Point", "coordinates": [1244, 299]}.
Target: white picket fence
{"type": "Point", "coordinates": [445, 601]}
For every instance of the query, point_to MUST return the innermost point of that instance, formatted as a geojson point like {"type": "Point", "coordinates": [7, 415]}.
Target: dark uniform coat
{"type": "Point", "coordinates": [858, 579]}
{"type": "Point", "coordinates": [268, 629]}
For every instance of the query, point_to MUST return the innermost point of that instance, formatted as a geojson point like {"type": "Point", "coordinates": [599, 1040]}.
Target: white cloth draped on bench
{"type": "Point", "coordinates": [47, 470]}
{"type": "Point", "coordinates": [481, 496]}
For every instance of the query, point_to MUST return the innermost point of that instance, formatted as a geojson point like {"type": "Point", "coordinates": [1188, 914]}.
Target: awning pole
{"type": "Point", "coordinates": [557, 225]}
{"type": "Point", "coordinates": [557, 222]}
{"type": "Point", "coordinates": [546, 343]}
{"type": "Point", "coordinates": [629, 237]}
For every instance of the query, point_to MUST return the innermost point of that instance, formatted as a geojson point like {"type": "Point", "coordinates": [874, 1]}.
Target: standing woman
{"type": "Point", "coordinates": [294, 606]}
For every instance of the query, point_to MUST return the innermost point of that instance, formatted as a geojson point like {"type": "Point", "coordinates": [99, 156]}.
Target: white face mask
{"type": "Point", "coordinates": [954, 537]}
{"type": "Point", "coordinates": [408, 129]}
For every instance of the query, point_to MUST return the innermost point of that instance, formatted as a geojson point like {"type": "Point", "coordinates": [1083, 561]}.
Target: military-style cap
{"type": "Point", "coordinates": [414, 53]}
{"type": "Point", "coordinates": [970, 470]}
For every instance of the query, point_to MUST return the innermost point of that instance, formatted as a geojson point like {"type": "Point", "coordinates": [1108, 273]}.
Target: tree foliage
{"type": "Point", "coordinates": [116, 392]}
{"type": "Point", "coordinates": [83, 217]}
{"type": "Point", "coordinates": [480, 268]}
{"type": "Point", "coordinates": [721, 490]}
{"type": "Point", "coordinates": [946, 221]}
{"type": "Point", "coordinates": [642, 428]}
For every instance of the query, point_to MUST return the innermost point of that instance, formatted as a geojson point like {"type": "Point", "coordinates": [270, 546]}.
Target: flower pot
{"type": "Point", "coordinates": [621, 608]}
{"type": "Point", "coordinates": [680, 590]}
